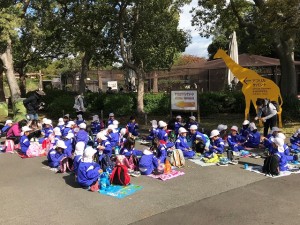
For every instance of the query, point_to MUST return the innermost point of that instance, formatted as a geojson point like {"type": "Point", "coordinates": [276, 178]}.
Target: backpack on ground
{"type": "Point", "coordinates": [106, 163]}
{"type": "Point", "coordinates": [120, 176]}
{"type": "Point", "coordinates": [271, 165]}
{"type": "Point", "coordinates": [177, 158]}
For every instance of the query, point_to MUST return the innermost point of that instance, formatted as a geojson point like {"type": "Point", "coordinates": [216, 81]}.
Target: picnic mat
{"type": "Point", "coordinates": [199, 162]}
{"type": "Point", "coordinates": [120, 191]}
{"type": "Point", "coordinates": [258, 170]}
{"type": "Point", "coordinates": [164, 177]}
{"type": "Point", "coordinates": [28, 157]}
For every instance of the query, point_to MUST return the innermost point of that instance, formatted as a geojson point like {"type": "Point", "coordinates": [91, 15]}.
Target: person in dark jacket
{"type": "Point", "coordinates": [33, 103]}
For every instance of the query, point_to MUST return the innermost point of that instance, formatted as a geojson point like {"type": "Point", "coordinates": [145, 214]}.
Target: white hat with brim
{"type": "Point", "coordinates": [82, 126]}
{"type": "Point", "coordinates": [214, 133]}
{"type": "Point", "coordinates": [70, 123]}
{"type": "Point", "coordinates": [57, 131]}
{"type": "Point", "coordinates": [70, 135]}
{"type": "Point", "coordinates": [252, 126]}
{"type": "Point", "coordinates": [192, 118]}
{"type": "Point", "coordinates": [162, 124]}
{"type": "Point", "coordinates": [279, 143]}
{"type": "Point", "coordinates": [95, 118]}
{"type": "Point", "coordinates": [61, 144]}
{"type": "Point", "coordinates": [26, 128]}
{"type": "Point", "coordinates": [61, 122]}
{"type": "Point", "coordinates": [281, 135]}
{"type": "Point", "coordinates": [246, 122]}
{"type": "Point", "coordinates": [178, 117]}
{"type": "Point", "coordinates": [193, 127]}
{"type": "Point", "coordinates": [8, 122]}
{"type": "Point", "coordinates": [182, 130]}
{"type": "Point", "coordinates": [222, 127]}
{"type": "Point", "coordinates": [275, 129]}
{"type": "Point", "coordinates": [79, 148]}
{"type": "Point", "coordinates": [88, 154]}
{"type": "Point", "coordinates": [44, 120]}
{"type": "Point", "coordinates": [48, 122]}
{"type": "Point", "coordinates": [111, 114]}
{"type": "Point", "coordinates": [111, 127]}
{"type": "Point", "coordinates": [235, 128]}
{"type": "Point", "coordinates": [101, 135]}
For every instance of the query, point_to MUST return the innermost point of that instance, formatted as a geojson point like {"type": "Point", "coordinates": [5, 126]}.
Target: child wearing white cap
{"type": "Point", "coordinates": [234, 140]}
{"type": "Point", "coordinates": [104, 145]}
{"type": "Point", "coordinates": [253, 137]}
{"type": "Point", "coordinates": [153, 131]}
{"type": "Point", "coordinates": [194, 133]}
{"type": "Point", "coordinates": [79, 120]}
{"type": "Point", "coordinates": [82, 135]}
{"type": "Point", "coordinates": [89, 171]}
{"type": "Point", "coordinates": [7, 125]}
{"type": "Point", "coordinates": [24, 141]}
{"type": "Point", "coordinates": [69, 128]}
{"type": "Point", "coordinates": [192, 121]}
{"type": "Point", "coordinates": [113, 136]}
{"type": "Point", "coordinates": [56, 155]}
{"type": "Point", "coordinates": [267, 141]}
{"type": "Point", "coordinates": [96, 125]}
{"type": "Point", "coordinates": [47, 130]}
{"type": "Point", "coordinates": [178, 123]}
{"type": "Point", "coordinates": [245, 130]}
{"type": "Point", "coordinates": [68, 140]}
{"type": "Point", "coordinates": [61, 124]}
{"type": "Point", "coordinates": [181, 143]}
{"type": "Point", "coordinates": [217, 144]}
{"type": "Point", "coordinates": [162, 135]}
{"type": "Point", "coordinates": [79, 148]}
{"type": "Point", "coordinates": [277, 144]}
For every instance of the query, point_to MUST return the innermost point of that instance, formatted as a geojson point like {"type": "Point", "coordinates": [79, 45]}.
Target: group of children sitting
{"type": "Point", "coordinates": [71, 147]}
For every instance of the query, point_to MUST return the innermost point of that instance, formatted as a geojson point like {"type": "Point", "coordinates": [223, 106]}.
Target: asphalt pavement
{"type": "Point", "coordinates": [32, 194]}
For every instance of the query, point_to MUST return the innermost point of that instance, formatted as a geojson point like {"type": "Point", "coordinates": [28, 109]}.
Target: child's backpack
{"type": "Point", "coordinates": [120, 176]}
{"type": "Point", "coordinates": [34, 150]}
{"type": "Point", "coordinates": [271, 165]}
{"type": "Point", "coordinates": [106, 163]}
{"type": "Point", "coordinates": [199, 146]}
{"type": "Point", "coordinates": [134, 162]}
{"type": "Point", "coordinates": [177, 158]}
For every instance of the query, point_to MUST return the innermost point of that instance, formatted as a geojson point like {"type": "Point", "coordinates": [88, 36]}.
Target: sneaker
{"type": "Point", "coordinates": [136, 174]}
{"type": "Point", "coordinates": [233, 162]}
{"type": "Point", "coordinates": [222, 164]}
{"type": "Point", "coordinates": [295, 162]}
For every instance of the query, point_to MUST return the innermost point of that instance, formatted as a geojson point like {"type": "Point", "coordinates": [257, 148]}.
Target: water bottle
{"type": "Point", "coordinates": [246, 166]}
{"type": "Point", "coordinates": [103, 181]}
{"type": "Point", "coordinates": [117, 150]}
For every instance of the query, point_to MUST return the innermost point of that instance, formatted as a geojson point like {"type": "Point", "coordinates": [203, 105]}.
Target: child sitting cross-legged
{"type": "Point", "coordinates": [89, 171]}
{"type": "Point", "coordinates": [24, 142]}
{"type": "Point", "coordinates": [128, 148]}
{"type": "Point", "coordinates": [181, 143]}
{"type": "Point", "coordinates": [148, 162]}
{"type": "Point", "coordinates": [56, 156]}
{"type": "Point", "coordinates": [161, 150]}
{"type": "Point", "coordinates": [216, 148]}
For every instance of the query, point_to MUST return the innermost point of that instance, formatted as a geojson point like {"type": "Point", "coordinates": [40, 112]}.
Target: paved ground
{"type": "Point", "coordinates": [31, 194]}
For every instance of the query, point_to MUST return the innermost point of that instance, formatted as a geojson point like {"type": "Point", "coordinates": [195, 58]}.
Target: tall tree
{"type": "Point", "coordinates": [150, 29]}
{"type": "Point", "coordinates": [262, 21]}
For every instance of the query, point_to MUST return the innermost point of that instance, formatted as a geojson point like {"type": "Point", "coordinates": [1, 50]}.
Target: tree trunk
{"type": "Point", "coordinates": [285, 50]}
{"type": "Point", "coordinates": [22, 82]}
{"type": "Point", "coordinates": [7, 60]}
{"type": "Point", "coordinates": [140, 93]}
{"type": "Point", "coordinates": [84, 70]}
{"type": "Point", "coordinates": [2, 94]}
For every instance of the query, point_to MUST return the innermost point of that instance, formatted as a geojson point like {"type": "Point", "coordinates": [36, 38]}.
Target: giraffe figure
{"type": "Point", "coordinates": [254, 85]}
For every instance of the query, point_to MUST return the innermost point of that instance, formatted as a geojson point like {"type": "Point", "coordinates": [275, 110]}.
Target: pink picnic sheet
{"type": "Point", "coordinates": [169, 176]}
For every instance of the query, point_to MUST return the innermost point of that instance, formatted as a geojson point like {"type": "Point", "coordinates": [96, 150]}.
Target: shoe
{"type": "Point", "coordinates": [295, 162]}
{"type": "Point", "coordinates": [233, 162]}
{"type": "Point", "coordinates": [135, 174]}
{"type": "Point", "coordinates": [222, 164]}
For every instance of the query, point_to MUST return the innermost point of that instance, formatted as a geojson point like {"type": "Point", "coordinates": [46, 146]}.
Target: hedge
{"type": "Point", "coordinates": [159, 104]}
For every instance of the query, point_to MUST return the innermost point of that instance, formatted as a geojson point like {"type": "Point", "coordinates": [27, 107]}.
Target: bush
{"type": "Point", "coordinates": [290, 109]}
{"type": "Point", "coordinates": [158, 104]}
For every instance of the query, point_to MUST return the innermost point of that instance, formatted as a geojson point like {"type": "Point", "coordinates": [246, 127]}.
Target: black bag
{"type": "Point", "coordinates": [199, 146]}
{"type": "Point", "coordinates": [106, 163]}
{"type": "Point", "coordinates": [271, 165]}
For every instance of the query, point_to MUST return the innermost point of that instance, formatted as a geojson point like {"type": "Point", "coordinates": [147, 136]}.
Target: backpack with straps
{"type": "Point", "coordinates": [106, 163]}
{"type": "Point", "coordinates": [177, 158]}
{"type": "Point", "coordinates": [120, 176]}
{"type": "Point", "coordinates": [271, 165]}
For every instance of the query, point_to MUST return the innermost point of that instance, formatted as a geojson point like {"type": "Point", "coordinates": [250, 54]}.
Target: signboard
{"type": "Point", "coordinates": [184, 100]}
{"type": "Point", "coordinates": [113, 85]}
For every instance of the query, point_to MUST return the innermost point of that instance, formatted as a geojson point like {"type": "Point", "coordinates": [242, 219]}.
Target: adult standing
{"type": "Point", "coordinates": [267, 113]}
{"type": "Point", "coordinates": [79, 104]}
{"type": "Point", "coordinates": [34, 103]}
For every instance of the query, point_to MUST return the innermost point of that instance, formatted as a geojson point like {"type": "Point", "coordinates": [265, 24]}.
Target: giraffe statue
{"type": "Point", "coordinates": [254, 86]}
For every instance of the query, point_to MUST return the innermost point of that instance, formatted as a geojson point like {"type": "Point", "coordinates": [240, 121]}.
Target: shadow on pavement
{"type": "Point", "coordinates": [70, 180]}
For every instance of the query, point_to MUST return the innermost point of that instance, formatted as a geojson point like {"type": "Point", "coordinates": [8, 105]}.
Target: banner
{"type": "Point", "coordinates": [184, 100]}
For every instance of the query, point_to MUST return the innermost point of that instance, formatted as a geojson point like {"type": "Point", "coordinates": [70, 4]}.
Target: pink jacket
{"type": "Point", "coordinates": [14, 131]}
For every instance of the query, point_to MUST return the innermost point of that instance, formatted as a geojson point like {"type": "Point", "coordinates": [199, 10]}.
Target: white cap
{"type": "Point", "coordinates": [222, 127]}
{"type": "Point", "coordinates": [234, 128]}
{"type": "Point", "coordinates": [246, 122]}
{"type": "Point", "coordinates": [82, 126]}
{"type": "Point", "coordinates": [61, 144]}
{"type": "Point", "coordinates": [88, 154]}
{"type": "Point", "coordinates": [279, 142]}
{"type": "Point", "coordinates": [193, 127]}
{"type": "Point", "coordinates": [214, 133]}
{"type": "Point", "coordinates": [61, 122]}
{"type": "Point", "coordinates": [178, 117]}
{"type": "Point", "coordinates": [116, 123]}
{"type": "Point", "coordinates": [281, 135]}
{"type": "Point", "coordinates": [79, 148]}
{"type": "Point", "coordinates": [95, 118]}
{"type": "Point", "coordinates": [101, 135]}
{"type": "Point", "coordinates": [8, 122]}
{"type": "Point", "coordinates": [26, 128]}
{"type": "Point", "coordinates": [123, 131]}
{"type": "Point", "coordinates": [154, 123]}
{"type": "Point", "coordinates": [252, 126]}
{"type": "Point", "coordinates": [57, 131]}
{"type": "Point", "coordinates": [70, 135]}
{"type": "Point", "coordinates": [44, 120]}
{"type": "Point", "coordinates": [182, 130]}
{"type": "Point", "coordinates": [162, 124]}
{"type": "Point", "coordinates": [111, 127]}
{"type": "Point", "coordinates": [111, 114]}
{"type": "Point", "coordinates": [275, 129]}
{"type": "Point", "coordinates": [192, 117]}
{"type": "Point", "coordinates": [48, 122]}
{"type": "Point", "coordinates": [79, 116]}
{"type": "Point", "coordinates": [70, 123]}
